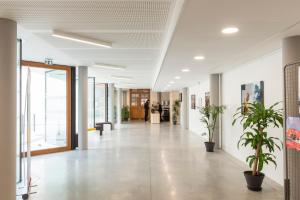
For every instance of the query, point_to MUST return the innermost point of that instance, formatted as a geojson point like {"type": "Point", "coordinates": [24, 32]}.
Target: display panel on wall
{"type": "Point", "coordinates": [250, 93]}
{"type": "Point", "coordinates": [207, 99]}
{"type": "Point", "coordinates": [193, 101]}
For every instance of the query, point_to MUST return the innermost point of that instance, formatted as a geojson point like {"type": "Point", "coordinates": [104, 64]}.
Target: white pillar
{"type": "Point", "coordinates": [8, 91]}
{"type": "Point", "coordinates": [184, 109]}
{"type": "Point", "coordinates": [111, 102]}
{"type": "Point", "coordinates": [119, 106]}
{"type": "Point", "coordinates": [83, 107]}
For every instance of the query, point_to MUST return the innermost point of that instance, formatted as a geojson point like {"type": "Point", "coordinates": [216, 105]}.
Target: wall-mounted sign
{"type": "Point", "coordinates": [293, 133]}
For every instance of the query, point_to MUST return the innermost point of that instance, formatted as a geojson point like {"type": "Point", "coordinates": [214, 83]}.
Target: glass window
{"type": "Point", "coordinates": [91, 102]}
{"type": "Point", "coordinates": [48, 88]}
{"type": "Point", "coordinates": [100, 102]}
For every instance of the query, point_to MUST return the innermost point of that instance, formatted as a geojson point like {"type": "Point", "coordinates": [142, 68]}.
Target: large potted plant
{"type": "Point", "coordinates": [255, 123]}
{"type": "Point", "coordinates": [209, 115]}
{"type": "Point", "coordinates": [125, 113]}
{"type": "Point", "coordinates": [175, 109]}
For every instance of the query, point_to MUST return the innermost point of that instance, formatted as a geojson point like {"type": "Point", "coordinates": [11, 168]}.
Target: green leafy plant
{"type": "Point", "coordinates": [125, 113]}
{"type": "Point", "coordinates": [175, 109]}
{"type": "Point", "coordinates": [209, 116]}
{"type": "Point", "coordinates": [255, 122]}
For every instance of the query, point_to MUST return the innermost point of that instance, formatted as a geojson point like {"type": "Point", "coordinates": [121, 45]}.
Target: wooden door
{"type": "Point", "coordinates": [138, 97]}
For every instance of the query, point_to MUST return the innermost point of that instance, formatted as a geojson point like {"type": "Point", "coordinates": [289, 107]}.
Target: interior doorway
{"type": "Point", "coordinates": [138, 97]}
{"type": "Point", "coordinates": [50, 107]}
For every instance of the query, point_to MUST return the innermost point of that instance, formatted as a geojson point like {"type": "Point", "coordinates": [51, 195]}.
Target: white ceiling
{"type": "Point", "coordinates": [262, 25]}
{"type": "Point", "coordinates": [136, 28]}
{"type": "Point", "coordinates": [154, 39]}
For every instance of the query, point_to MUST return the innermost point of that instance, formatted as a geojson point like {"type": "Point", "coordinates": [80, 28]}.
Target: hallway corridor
{"type": "Point", "coordinates": [145, 162]}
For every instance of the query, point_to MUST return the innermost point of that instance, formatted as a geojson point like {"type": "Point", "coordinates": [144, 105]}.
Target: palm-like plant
{"type": "Point", "coordinates": [176, 108]}
{"type": "Point", "coordinates": [255, 122]}
{"type": "Point", "coordinates": [209, 116]}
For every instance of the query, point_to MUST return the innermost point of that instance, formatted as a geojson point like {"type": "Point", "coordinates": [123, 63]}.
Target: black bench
{"type": "Point", "coordinates": [100, 126]}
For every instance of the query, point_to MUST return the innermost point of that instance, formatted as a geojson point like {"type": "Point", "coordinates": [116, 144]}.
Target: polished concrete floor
{"type": "Point", "coordinates": [145, 162]}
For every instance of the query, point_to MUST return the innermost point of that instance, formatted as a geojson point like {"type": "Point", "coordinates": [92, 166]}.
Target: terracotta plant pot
{"type": "Point", "coordinates": [254, 182]}
{"type": "Point", "coordinates": [209, 146]}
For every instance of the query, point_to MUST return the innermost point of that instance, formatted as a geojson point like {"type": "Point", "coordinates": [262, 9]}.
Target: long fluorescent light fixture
{"type": "Point", "coordinates": [108, 66]}
{"type": "Point", "coordinates": [78, 38]}
{"type": "Point", "coordinates": [122, 77]}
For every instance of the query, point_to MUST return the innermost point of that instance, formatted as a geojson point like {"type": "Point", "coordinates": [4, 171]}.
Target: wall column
{"type": "Point", "coordinates": [184, 109]}
{"type": "Point", "coordinates": [8, 117]}
{"type": "Point", "coordinates": [291, 58]}
{"type": "Point", "coordinates": [83, 107]}
{"type": "Point", "coordinates": [215, 99]}
{"type": "Point", "coordinates": [119, 106]}
{"type": "Point", "coordinates": [111, 102]}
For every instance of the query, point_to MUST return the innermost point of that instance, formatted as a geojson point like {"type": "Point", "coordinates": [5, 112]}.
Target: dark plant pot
{"type": "Point", "coordinates": [209, 146]}
{"type": "Point", "coordinates": [254, 182]}
{"type": "Point", "coordinates": [174, 122]}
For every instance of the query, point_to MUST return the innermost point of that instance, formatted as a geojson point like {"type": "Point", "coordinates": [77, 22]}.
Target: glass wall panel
{"type": "Point", "coordinates": [91, 102]}
{"type": "Point", "coordinates": [18, 150]}
{"type": "Point", "coordinates": [100, 102]}
{"type": "Point", "coordinates": [48, 107]}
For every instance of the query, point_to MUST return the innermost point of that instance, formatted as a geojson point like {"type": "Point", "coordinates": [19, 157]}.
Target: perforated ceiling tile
{"type": "Point", "coordinates": [103, 15]}
{"type": "Point", "coordinates": [136, 28]}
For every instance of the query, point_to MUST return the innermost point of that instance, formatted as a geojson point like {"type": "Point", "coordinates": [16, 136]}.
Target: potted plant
{"type": "Point", "coordinates": [255, 122]}
{"type": "Point", "coordinates": [209, 115]}
{"type": "Point", "coordinates": [125, 113]}
{"type": "Point", "coordinates": [175, 109]}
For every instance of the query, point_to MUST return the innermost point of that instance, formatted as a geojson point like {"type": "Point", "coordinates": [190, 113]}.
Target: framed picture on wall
{"type": "Point", "coordinates": [207, 99]}
{"type": "Point", "coordinates": [193, 101]}
{"type": "Point", "coordinates": [180, 97]}
{"type": "Point", "coordinates": [250, 93]}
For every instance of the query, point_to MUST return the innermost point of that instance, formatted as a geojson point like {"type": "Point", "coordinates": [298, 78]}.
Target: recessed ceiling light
{"type": "Point", "coordinates": [230, 30]}
{"type": "Point", "coordinates": [185, 70]}
{"type": "Point", "coordinates": [77, 38]}
{"type": "Point", "coordinates": [171, 82]}
{"type": "Point", "coordinates": [177, 77]}
{"type": "Point", "coordinates": [107, 66]}
{"type": "Point", "coordinates": [199, 57]}
{"type": "Point", "coordinates": [122, 77]}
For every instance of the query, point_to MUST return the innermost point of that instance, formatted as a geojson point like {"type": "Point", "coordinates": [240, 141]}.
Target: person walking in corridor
{"type": "Point", "coordinates": [146, 108]}
{"type": "Point", "coordinates": [160, 110]}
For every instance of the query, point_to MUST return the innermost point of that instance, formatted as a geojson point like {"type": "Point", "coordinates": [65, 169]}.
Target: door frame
{"type": "Point", "coordinates": [68, 104]}
{"type": "Point", "coordinates": [139, 92]}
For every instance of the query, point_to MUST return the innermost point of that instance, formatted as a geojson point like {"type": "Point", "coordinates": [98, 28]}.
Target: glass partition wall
{"type": "Point", "coordinates": [50, 107]}
{"type": "Point", "coordinates": [96, 103]}
{"type": "Point", "coordinates": [19, 119]}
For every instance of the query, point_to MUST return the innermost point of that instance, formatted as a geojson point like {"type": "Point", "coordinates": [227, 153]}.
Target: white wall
{"type": "Point", "coordinates": [268, 69]}
{"type": "Point", "coordinates": [194, 116]}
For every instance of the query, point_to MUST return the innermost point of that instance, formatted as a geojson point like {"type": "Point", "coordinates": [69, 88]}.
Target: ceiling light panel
{"type": "Point", "coordinates": [185, 70]}
{"type": "Point", "coordinates": [122, 77]}
{"type": "Point", "coordinates": [199, 57]}
{"type": "Point", "coordinates": [230, 30]}
{"type": "Point", "coordinates": [80, 39]}
{"type": "Point", "coordinates": [107, 66]}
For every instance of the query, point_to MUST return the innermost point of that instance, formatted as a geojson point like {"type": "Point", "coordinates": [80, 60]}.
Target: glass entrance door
{"type": "Point", "coordinates": [50, 107]}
